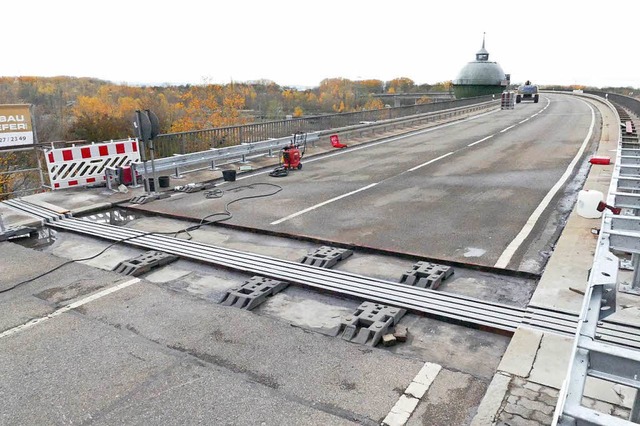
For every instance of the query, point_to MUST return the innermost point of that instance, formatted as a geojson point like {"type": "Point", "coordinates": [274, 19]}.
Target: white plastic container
{"type": "Point", "coordinates": [588, 201]}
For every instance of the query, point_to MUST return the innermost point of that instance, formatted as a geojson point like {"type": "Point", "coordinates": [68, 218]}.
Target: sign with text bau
{"type": "Point", "coordinates": [15, 125]}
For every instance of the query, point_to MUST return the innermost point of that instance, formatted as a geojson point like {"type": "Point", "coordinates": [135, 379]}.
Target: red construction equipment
{"type": "Point", "coordinates": [335, 142]}
{"type": "Point", "coordinates": [291, 155]}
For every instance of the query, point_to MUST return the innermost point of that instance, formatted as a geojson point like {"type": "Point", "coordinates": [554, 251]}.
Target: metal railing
{"type": "Point", "coordinates": [200, 140]}
{"type": "Point", "coordinates": [178, 163]}
{"type": "Point", "coordinates": [24, 175]}
{"type": "Point", "coordinates": [589, 357]}
{"type": "Point", "coordinates": [213, 157]}
{"type": "Point", "coordinates": [632, 104]}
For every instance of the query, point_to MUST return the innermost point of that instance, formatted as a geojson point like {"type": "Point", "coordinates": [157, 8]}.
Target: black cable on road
{"type": "Point", "coordinates": [215, 193]}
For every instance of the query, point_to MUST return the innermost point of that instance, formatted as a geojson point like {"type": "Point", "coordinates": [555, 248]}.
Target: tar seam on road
{"type": "Point", "coordinates": [408, 401]}
{"type": "Point", "coordinates": [67, 308]}
{"type": "Point", "coordinates": [508, 253]}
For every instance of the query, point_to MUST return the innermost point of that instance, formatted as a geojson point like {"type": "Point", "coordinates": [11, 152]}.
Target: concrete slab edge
{"type": "Point", "coordinates": [521, 353]}
{"type": "Point", "coordinates": [90, 209]}
{"type": "Point", "coordinates": [492, 402]}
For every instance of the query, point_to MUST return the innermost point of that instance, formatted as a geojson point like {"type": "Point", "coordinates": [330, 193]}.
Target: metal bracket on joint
{"type": "Point", "coordinates": [426, 275]}
{"type": "Point", "coordinates": [326, 257]}
{"type": "Point", "coordinates": [252, 293]}
{"type": "Point", "coordinates": [369, 323]}
{"type": "Point", "coordinates": [144, 263]}
{"type": "Point", "coordinates": [604, 274]}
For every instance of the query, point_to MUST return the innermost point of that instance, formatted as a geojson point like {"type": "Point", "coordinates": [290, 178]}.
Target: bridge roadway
{"type": "Point", "coordinates": [459, 192]}
{"type": "Point", "coordinates": [159, 351]}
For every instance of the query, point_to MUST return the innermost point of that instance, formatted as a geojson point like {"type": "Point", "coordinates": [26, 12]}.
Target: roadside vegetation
{"type": "Point", "coordinates": [81, 110]}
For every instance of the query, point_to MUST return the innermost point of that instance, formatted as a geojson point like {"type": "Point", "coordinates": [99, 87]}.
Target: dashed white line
{"type": "Point", "coordinates": [413, 169]}
{"type": "Point", "coordinates": [481, 140]}
{"type": "Point", "coordinates": [372, 144]}
{"type": "Point", "coordinates": [324, 203]}
{"type": "Point", "coordinates": [402, 410]}
{"type": "Point", "coordinates": [525, 120]}
{"type": "Point", "coordinates": [301, 212]}
{"type": "Point", "coordinates": [68, 307]}
{"type": "Point", "coordinates": [508, 253]}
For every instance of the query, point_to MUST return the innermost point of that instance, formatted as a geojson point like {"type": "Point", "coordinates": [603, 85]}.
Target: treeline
{"type": "Point", "coordinates": [69, 108]}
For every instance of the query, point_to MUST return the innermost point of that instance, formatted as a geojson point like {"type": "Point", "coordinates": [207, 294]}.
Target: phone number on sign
{"type": "Point", "coordinates": [13, 139]}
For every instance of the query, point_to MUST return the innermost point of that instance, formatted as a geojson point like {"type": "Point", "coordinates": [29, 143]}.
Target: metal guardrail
{"type": "Point", "coordinates": [179, 162]}
{"type": "Point", "coordinates": [590, 358]}
{"type": "Point", "coordinates": [200, 140]}
{"type": "Point", "coordinates": [632, 104]}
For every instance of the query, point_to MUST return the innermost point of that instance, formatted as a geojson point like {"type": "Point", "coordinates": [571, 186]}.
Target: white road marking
{"type": "Point", "coordinates": [400, 413]}
{"type": "Point", "coordinates": [525, 120]}
{"type": "Point", "coordinates": [301, 212]}
{"type": "Point", "coordinates": [413, 169]}
{"type": "Point", "coordinates": [369, 145]}
{"type": "Point", "coordinates": [508, 253]}
{"type": "Point", "coordinates": [67, 308]}
{"type": "Point", "coordinates": [481, 140]}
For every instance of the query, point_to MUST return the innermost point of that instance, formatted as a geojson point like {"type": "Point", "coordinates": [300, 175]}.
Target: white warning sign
{"type": "Point", "coordinates": [15, 125]}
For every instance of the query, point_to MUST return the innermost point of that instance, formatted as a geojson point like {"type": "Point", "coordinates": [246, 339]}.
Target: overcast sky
{"type": "Point", "coordinates": [301, 42]}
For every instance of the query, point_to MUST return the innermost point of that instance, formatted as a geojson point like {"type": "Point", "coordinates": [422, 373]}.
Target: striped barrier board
{"type": "Point", "coordinates": [85, 165]}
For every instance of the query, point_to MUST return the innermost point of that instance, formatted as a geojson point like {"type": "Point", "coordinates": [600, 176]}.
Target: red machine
{"type": "Point", "coordinates": [291, 155]}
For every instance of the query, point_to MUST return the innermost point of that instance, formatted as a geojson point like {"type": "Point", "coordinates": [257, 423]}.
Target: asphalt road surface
{"type": "Point", "coordinates": [84, 345]}
{"type": "Point", "coordinates": [483, 190]}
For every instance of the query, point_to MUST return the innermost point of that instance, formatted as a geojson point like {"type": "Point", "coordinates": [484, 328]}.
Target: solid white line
{"type": "Point", "coordinates": [413, 169]}
{"type": "Point", "coordinates": [68, 307]}
{"type": "Point", "coordinates": [301, 212]}
{"type": "Point", "coordinates": [402, 410]}
{"type": "Point", "coordinates": [481, 140]}
{"type": "Point", "coordinates": [508, 128]}
{"type": "Point", "coordinates": [508, 253]}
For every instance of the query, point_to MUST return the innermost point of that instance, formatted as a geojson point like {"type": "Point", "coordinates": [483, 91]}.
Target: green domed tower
{"type": "Point", "coordinates": [480, 77]}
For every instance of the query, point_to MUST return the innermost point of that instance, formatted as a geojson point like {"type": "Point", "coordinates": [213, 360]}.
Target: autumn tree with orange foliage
{"type": "Point", "coordinates": [400, 85]}
{"type": "Point", "coordinates": [7, 160]}
{"type": "Point", "coordinates": [213, 105]}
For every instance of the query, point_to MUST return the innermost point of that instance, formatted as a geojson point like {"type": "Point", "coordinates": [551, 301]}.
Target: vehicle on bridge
{"type": "Point", "coordinates": [527, 92]}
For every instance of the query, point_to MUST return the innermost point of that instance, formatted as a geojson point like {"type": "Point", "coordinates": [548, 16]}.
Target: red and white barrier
{"type": "Point", "coordinates": [85, 165]}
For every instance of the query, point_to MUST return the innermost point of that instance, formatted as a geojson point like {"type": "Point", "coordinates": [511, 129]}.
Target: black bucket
{"type": "Point", "coordinates": [152, 185]}
{"type": "Point", "coordinates": [164, 181]}
{"type": "Point", "coordinates": [229, 175]}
